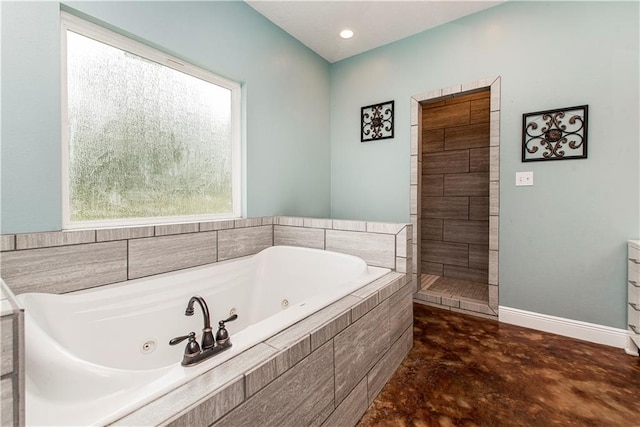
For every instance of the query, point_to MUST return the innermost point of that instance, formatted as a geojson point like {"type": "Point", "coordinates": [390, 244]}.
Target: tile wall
{"type": "Point", "coordinates": [306, 372]}
{"type": "Point", "coordinates": [455, 187]}
{"type": "Point", "coordinates": [12, 361]}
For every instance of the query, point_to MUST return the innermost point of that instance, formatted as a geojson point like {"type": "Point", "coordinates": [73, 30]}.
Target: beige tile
{"type": "Point", "coordinates": [494, 128]}
{"type": "Point", "coordinates": [7, 242]}
{"type": "Point", "coordinates": [477, 84]}
{"type": "Point", "coordinates": [267, 220]}
{"type": "Point", "coordinates": [247, 222]}
{"type": "Point", "coordinates": [352, 408]}
{"type": "Point", "coordinates": [494, 198]}
{"type": "Point", "coordinates": [6, 397]}
{"type": "Point", "coordinates": [495, 95]}
{"type": "Point", "coordinates": [358, 348]}
{"type": "Point", "coordinates": [298, 236]}
{"type": "Point", "coordinates": [476, 307]}
{"type": "Point", "coordinates": [204, 399]}
{"type": "Point", "coordinates": [401, 311]}
{"type": "Point", "coordinates": [290, 220]}
{"type": "Point", "coordinates": [65, 268]}
{"type": "Point", "coordinates": [475, 313]}
{"type": "Point", "coordinates": [375, 249]}
{"type": "Point", "coordinates": [54, 238]}
{"type": "Point", "coordinates": [414, 227]}
{"type": "Point", "coordinates": [413, 199]}
{"type": "Point", "coordinates": [494, 163]}
{"type": "Point", "coordinates": [216, 225]}
{"type": "Point", "coordinates": [450, 302]}
{"type": "Point", "coordinates": [413, 177]}
{"type": "Point", "coordinates": [347, 225]}
{"type": "Point", "coordinates": [493, 298]}
{"type": "Point", "coordinates": [451, 90]}
{"type": "Point", "coordinates": [243, 241]}
{"type": "Point", "coordinates": [493, 267]}
{"type": "Point", "coordinates": [300, 396]}
{"type": "Point", "coordinates": [318, 223]}
{"type": "Point", "coordinates": [384, 227]}
{"type": "Point", "coordinates": [429, 95]}
{"type": "Point", "coordinates": [167, 229]}
{"type": "Point", "coordinates": [403, 245]}
{"type": "Point", "coordinates": [123, 233]}
{"type": "Point", "coordinates": [428, 297]}
{"type": "Point", "coordinates": [6, 343]}
{"type": "Point", "coordinates": [364, 306]}
{"type": "Point", "coordinates": [302, 329]}
{"type": "Point", "coordinates": [415, 112]}
{"type": "Point", "coordinates": [403, 265]}
{"type": "Point", "coordinates": [414, 140]}
{"type": "Point", "coordinates": [384, 369]}
{"type": "Point", "coordinates": [155, 255]}
{"type": "Point", "coordinates": [493, 233]}
{"type": "Point", "coordinates": [330, 329]}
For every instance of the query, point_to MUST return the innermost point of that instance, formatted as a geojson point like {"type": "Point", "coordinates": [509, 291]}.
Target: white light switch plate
{"type": "Point", "coordinates": [524, 178]}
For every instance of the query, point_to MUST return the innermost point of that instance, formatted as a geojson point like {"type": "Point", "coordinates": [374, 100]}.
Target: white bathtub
{"type": "Point", "coordinates": [88, 358]}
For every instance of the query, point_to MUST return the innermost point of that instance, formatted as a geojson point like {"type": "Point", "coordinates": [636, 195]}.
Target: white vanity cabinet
{"type": "Point", "coordinates": [633, 284]}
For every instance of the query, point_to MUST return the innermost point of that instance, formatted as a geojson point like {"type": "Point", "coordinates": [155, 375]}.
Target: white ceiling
{"type": "Point", "coordinates": [375, 23]}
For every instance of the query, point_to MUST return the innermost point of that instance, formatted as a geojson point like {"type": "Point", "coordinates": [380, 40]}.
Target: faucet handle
{"type": "Point", "coordinates": [230, 319]}
{"type": "Point", "coordinates": [192, 346]}
{"type": "Point", "coordinates": [222, 336]}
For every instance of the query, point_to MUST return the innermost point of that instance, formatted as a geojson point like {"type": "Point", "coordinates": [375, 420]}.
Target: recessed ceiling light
{"type": "Point", "coordinates": [346, 34]}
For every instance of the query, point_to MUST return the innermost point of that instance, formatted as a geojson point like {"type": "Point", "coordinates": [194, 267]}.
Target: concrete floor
{"type": "Point", "coordinates": [469, 371]}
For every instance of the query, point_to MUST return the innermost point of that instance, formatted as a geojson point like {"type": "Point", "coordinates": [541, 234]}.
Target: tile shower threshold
{"type": "Point", "coordinates": [456, 295]}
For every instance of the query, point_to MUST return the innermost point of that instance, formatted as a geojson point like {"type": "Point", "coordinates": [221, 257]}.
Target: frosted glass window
{"type": "Point", "coordinates": [145, 140]}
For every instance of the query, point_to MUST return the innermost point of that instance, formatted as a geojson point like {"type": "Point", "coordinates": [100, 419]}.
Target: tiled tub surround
{"type": "Point", "coordinates": [60, 262]}
{"type": "Point", "coordinates": [416, 187]}
{"type": "Point", "coordinates": [12, 374]}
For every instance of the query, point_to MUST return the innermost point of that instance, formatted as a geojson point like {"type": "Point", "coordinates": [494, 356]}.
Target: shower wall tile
{"type": "Point", "coordinates": [7, 242]}
{"type": "Point", "coordinates": [358, 348]}
{"type": "Point", "coordinates": [445, 116]}
{"type": "Point", "coordinates": [155, 255]}
{"type": "Point", "coordinates": [479, 208]}
{"type": "Point", "coordinates": [446, 162]}
{"type": "Point", "coordinates": [384, 369]}
{"type": "Point", "coordinates": [240, 242]}
{"type": "Point", "coordinates": [433, 185]}
{"type": "Point", "coordinates": [479, 256]}
{"type": "Point", "coordinates": [65, 268]}
{"type": "Point", "coordinates": [348, 225]}
{"type": "Point", "coordinates": [445, 207]}
{"type": "Point", "coordinates": [318, 223]}
{"type": "Point", "coordinates": [465, 273]}
{"type": "Point", "coordinates": [352, 408]}
{"type": "Point", "coordinates": [462, 231]}
{"type": "Point", "coordinates": [479, 109]}
{"type": "Point", "coordinates": [446, 253]}
{"type": "Point", "coordinates": [298, 236]}
{"type": "Point", "coordinates": [465, 137]}
{"type": "Point", "coordinates": [302, 394]}
{"type": "Point", "coordinates": [466, 184]}
{"type": "Point", "coordinates": [479, 160]}
{"type": "Point", "coordinates": [216, 225]}
{"type": "Point", "coordinates": [432, 229]}
{"type": "Point", "coordinates": [432, 142]}
{"type": "Point", "coordinates": [167, 229]}
{"type": "Point", "coordinates": [432, 268]}
{"type": "Point", "coordinates": [124, 233]}
{"type": "Point", "coordinates": [375, 249]}
{"type": "Point", "coordinates": [54, 238]}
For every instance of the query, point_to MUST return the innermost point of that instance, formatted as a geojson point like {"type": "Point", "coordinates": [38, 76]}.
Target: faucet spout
{"type": "Point", "coordinates": [208, 341]}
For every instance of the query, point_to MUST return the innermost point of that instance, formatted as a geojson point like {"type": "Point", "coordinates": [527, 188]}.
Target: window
{"type": "Point", "coordinates": [147, 138]}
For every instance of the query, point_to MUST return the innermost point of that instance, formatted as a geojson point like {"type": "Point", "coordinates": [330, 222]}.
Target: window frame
{"type": "Point", "coordinates": [84, 28]}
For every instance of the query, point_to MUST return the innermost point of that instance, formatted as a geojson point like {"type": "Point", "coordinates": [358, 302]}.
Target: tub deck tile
{"type": "Point", "coordinates": [298, 236]}
{"type": "Point", "coordinates": [378, 284]}
{"type": "Point", "coordinates": [218, 390]}
{"type": "Point", "coordinates": [239, 242]}
{"type": "Point", "coordinates": [365, 306]}
{"type": "Point", "coordinates": [288, 337]}
{"type": "Point", "coordinates": [330, 329]}
{"type": "Point", "coordinates": [351, 409]}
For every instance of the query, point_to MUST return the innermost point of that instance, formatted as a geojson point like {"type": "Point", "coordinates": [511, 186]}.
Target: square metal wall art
{"type": "Point", "coordinates": [555, 134]}
{"type": "Point", "coordinates": [377, 122]}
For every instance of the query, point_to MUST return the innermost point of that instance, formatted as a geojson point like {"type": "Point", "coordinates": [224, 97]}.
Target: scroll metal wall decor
{"type": "Point", "coordinates": [555, 134]}
{"type": "Point", "coordinates": [377, 122]}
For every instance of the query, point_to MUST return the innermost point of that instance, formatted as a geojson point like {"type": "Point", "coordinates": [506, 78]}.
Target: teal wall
{"type": "Point", "coordinates": [562, 241]}
{"type": "Point", "coordinates": [285, 84]}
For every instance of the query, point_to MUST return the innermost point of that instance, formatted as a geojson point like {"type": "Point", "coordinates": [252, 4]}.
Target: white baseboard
{"type": "Point", "coordinates": [591, 332]}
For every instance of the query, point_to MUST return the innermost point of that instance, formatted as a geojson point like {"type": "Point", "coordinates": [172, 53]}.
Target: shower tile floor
{"type": "Point", "coordinates": [456, 294]}
{"type": "Point", "coordinates": [468, 371]}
